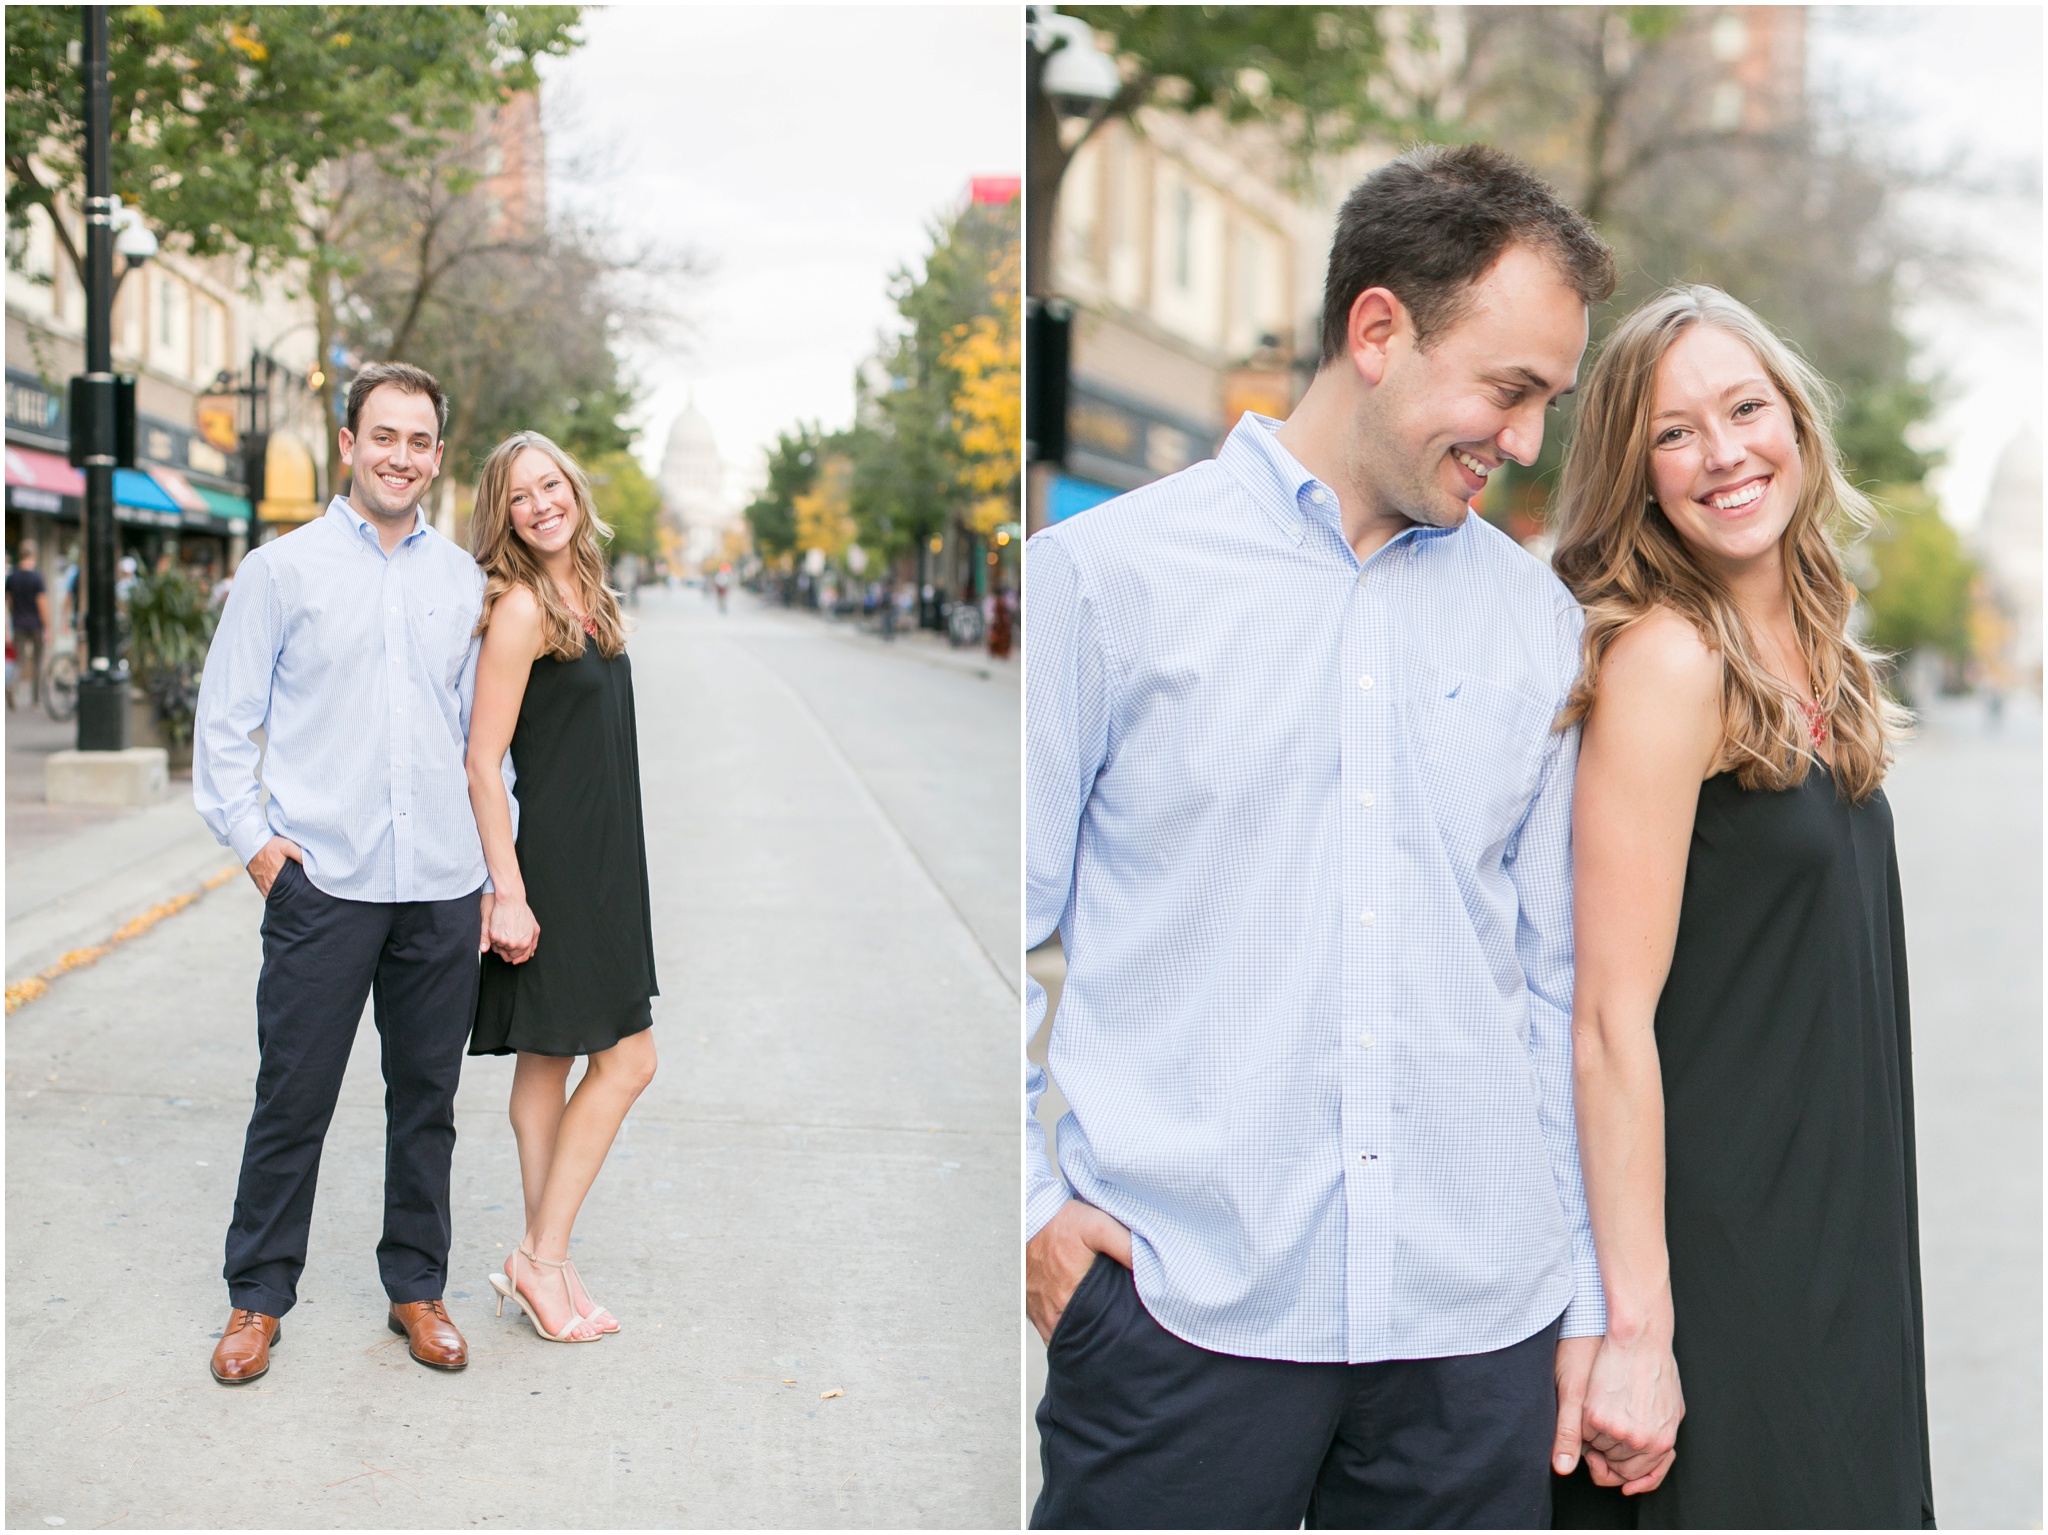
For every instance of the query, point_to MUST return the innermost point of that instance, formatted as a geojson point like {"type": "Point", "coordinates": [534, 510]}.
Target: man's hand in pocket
{"type": "Point", "coordinates": [1059, 1257]}
{"type": "Point", "coordinates": [269, 862]}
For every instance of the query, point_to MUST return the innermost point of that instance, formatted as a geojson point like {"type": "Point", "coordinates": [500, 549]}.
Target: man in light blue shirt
{"type": "Point", "coordinates": [349, 643]}
{"type": "Point", "coordinates": [1316, 1248]}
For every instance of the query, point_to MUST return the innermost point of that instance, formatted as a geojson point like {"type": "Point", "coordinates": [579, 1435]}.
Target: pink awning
{"type": "Point", "coordinates": [180, 490]}
{"type": "Point", "coordinates": [43, 471]}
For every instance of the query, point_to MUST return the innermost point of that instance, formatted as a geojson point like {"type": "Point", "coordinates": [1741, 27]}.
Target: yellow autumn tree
{"type": "Point", "coordinates": [986, 356]}
{"type": "Point", "coordinates": [824, 517]}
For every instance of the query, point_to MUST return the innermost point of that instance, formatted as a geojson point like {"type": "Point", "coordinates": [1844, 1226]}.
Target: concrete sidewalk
{"type": "Point", "coordinates": [818, 1193]}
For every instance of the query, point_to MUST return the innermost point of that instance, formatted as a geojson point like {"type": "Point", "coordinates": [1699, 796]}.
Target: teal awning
{"type": "Point", "coordinates": [232, 508]}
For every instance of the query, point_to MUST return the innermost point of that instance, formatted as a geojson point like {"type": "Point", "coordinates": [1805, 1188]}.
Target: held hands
{"type": "Point", "coordinates": [269, 861]}
{"type": "Point", "coordinates": [510, 929]}
{"type": "Point", "coordinates": [1059, 1257]}
{"type": "Point", "coordinates": [1632, 1410]}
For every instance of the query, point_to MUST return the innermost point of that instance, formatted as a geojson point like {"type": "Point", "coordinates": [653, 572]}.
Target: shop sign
{"type": "Point", "coordinates": [33, 408]}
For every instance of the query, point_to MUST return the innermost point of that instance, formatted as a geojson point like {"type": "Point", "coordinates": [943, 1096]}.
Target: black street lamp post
{"type": "Point", "coordinates": [103, 419]}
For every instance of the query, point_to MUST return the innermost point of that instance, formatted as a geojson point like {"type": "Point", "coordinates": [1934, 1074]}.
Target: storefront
{"type": "Point", "coordinates": [179, 505]}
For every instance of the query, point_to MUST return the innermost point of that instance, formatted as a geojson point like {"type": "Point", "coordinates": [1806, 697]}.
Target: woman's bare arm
{"type": "Point", "coordinates": [1654, 734]}
{"type": "Point", "coordinates": [510, 647]}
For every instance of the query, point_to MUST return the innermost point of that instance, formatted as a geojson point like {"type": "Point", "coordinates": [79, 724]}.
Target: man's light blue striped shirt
{"type": "Point", "coordinates": [1304, 826]}
{"type": "Point", "coordinates": [359, 666]}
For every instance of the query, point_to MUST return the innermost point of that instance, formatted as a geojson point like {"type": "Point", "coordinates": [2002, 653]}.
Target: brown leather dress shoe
{"type": "Point", "coordinates": [243, 1352]}
{"type": "Point", "coordinates": [430, 1335]}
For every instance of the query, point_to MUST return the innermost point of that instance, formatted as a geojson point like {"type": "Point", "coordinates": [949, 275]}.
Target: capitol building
{"type": "Point", "coordinates": [2008, 544]}
{"type": "Point", "coordinates": [693, 490]}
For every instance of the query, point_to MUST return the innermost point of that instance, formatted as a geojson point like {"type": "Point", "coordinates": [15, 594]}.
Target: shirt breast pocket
{"type": "Point", "coordinates": [444, 639]}
{"type": "Point", "coordinates": [1478, 747]}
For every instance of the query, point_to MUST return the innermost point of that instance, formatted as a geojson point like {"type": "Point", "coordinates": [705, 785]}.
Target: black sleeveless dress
{"type": "Point", "coordinates": [1790, 1206]}
{"type": "Point", "coordinates": [583, 854]}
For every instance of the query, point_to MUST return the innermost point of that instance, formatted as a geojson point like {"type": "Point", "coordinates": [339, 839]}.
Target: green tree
{"type": "Point", "coordinates": [438, 266]}
{"type": "Point", "coordinates": [629, 501]}
{"type": "Point", "coordinates": [911, 473]}
{"type": "Point", "coordinates": [234, 126]}
{"type": "Point", "coordinates": [1919, 598]}
{"type": "Point", "coordinates": [793, 465]}
{"type": "Point", "coordinates": [1317, 73]}
{"type": "Point", "coordinates": [226, 116]}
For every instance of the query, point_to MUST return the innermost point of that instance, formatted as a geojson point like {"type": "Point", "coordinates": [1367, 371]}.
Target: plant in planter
{"type": "Point", "coordinates": [170, 626]}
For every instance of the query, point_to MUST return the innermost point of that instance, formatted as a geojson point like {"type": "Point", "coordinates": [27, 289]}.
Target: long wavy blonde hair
{"type": "Point", "coordinates": [508, 560]}
{"type": "Point", "coordinates": [1621, 557]}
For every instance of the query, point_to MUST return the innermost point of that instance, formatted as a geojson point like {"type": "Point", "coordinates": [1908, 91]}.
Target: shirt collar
{"type": "Point", "coordinates": [1288, 492]}
{"type": "Point", "coordinates": [347, 516]}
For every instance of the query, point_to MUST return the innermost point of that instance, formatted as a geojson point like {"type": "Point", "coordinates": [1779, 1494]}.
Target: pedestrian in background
{"type": "Point", "coordinates": [570, 967]}
{"type": "Point", "coordinates": [1745, 1074]}
{"type": "Point", "coordinates": [350, 645]}
{"type": "Point", "coordinates": [28, 620]}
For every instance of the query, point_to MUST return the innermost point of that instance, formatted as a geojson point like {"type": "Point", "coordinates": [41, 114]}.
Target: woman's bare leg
{"type": "Point", "coordinates": [537, 1106]}
{"type": "Point", "coordinates": [538, 1097]}
{"type": "Point", "coordinates": [612, 1081]}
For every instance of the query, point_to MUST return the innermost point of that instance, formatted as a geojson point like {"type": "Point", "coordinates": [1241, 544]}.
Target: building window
{"type": "Point", "coordinates": [1724, 109]}
{"type": "Point", "coordinates": [209, 326]}
{"type": "Point", "coordinates": [170, 339]}
{"type": "Point", "coordinates": [1183, 237]}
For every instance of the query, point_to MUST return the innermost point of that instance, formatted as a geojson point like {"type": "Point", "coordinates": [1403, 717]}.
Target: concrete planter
{"type": "Point", "coordinates": [144, 729]}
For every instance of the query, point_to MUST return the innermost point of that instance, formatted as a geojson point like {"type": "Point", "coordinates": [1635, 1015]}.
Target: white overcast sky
{"type": "Point", "coordinates": [1933, 81]}
{"type": "Point", "coordinates": [803, 150]}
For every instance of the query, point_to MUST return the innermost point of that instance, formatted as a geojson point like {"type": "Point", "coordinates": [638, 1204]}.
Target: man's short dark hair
{"type": "Point", "coordinates": [1430, 224]}
{"type": "Point", "coordinates": [401, 375]}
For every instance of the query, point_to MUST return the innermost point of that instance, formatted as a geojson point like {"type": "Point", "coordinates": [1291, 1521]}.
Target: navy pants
{"type": "Point", "coordinates": [322, 959]}
{"type": "Point", "coordinates": [1142, 1430]}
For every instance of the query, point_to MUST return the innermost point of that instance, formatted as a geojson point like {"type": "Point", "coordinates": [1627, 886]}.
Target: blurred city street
{"type": "Point", "coordinates": [808, 1226]}
{"type": "Point", "coordinates": [1966, 800]}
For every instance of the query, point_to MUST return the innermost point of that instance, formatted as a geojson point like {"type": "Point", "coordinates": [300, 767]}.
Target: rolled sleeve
{"type": "Point", "coordinates": [234, 701]}
{"type": "Point", "coordinates": [1067, 700]}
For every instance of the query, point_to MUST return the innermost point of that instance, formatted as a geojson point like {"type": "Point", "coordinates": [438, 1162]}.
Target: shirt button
{"type": "Point", "coordinates": [1365, 919]}
{"type": "Point", "coordinates": [1365, 1041]}
{"type": "Point", "coordinates": [1365, 683]}
{"type": "Point", "coordinates": [1365, 801]}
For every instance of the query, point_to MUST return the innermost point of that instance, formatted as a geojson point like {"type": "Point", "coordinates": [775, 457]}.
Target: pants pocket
{"type": "Point", "coordinates": [1084, 1305]}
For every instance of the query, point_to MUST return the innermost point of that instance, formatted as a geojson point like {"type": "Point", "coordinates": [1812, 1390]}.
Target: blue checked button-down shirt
{"type": "Point", "coordinates": [359, 666]}
{"type": "Point", "coordinates": [1304, 827]}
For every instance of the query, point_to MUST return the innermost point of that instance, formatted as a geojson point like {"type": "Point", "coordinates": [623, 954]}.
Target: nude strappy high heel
{"type": "Point", "coordinates": [509, 1290]}
{"type": "Point", "coordinates": [597, 1313]}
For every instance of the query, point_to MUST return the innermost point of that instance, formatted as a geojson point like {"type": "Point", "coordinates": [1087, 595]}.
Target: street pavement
{"type": "Point", "coordinates": [1966, 801]}
{"type": "Point", "coordinates": [817, 1195]}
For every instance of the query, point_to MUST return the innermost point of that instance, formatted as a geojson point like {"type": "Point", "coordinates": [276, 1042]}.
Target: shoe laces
{"type": "Point", "coordinates": [434, 1308]}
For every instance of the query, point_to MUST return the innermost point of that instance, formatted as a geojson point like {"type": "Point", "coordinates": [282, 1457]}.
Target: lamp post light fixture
{"type": "Point", "coordinates": [1080, 79]}
{"type": "Point", "coordinates": [135, 244]}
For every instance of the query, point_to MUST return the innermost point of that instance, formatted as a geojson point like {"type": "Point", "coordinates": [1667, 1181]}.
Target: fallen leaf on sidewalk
{"type": "Point", "coordinates": [826, 1396]}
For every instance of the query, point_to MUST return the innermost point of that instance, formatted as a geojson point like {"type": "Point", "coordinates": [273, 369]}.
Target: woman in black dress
{"type": "Point", "coordinates": [1743, 1069]}
{"type": "Point", "coordinates": [569, 966]}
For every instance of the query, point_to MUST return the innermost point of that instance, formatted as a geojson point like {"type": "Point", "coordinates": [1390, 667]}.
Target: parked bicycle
{"type": "Point", "coordinates": [964, 624]}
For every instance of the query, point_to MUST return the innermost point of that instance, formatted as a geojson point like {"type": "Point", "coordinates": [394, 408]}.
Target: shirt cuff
{"type": "Point", "coordinates": [1586, 1316]}
{"type": "Point", "coordinates": [1045, 1200]}
{"type": "Point", "coordinates": [248, 837]}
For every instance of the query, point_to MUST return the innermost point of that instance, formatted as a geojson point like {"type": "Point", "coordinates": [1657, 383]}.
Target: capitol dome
{"type": "Point", "coordinates": [693, 485]}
